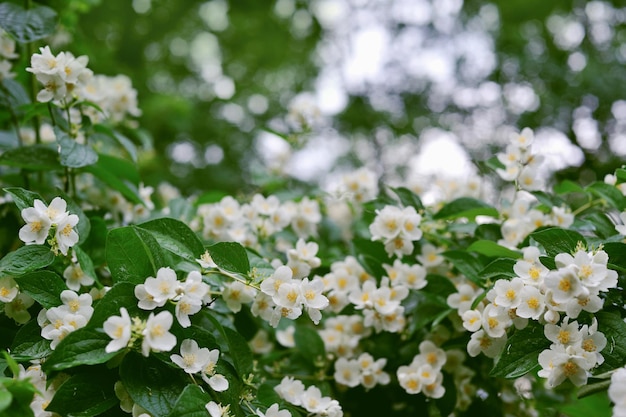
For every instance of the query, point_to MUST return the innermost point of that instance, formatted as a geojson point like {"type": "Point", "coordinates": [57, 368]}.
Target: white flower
{"type": "Point", "coordinates": [217, 382]}
{"type": "Point", "coordinates": [291, 390]}
{"type": "Point", "coordinates": [185, 307]}
{"type": "Point", "coordinates": [192, 358]}
{"type": "Point", "coordinates": [8, 289]}
{"type": "Point", "coordinates": [559, 363]}
{"type": "Point", "coordinates": [162, 288]}
{"type": "Point", "coordinates": [217, 410]}
{"type": "Point", "coordinates": [480, 341]}
{"type": "Point", "coordinates": [273, 411]}
{"type": "Point", "coordinates": [347, 372]}
{"type": "Point", "coordinates": [236, 293]}
{"type": "Point", "coordinates": [66, 236]}
{"type": "Point", "coordinates": [156, 335]}
{"type": "Point", "coordinates": [77, 304]}
{"type": "Point", "coordinates": [617, 391]}
{"type": "Point", "coordinates": [75, 277]}
{"type": "Point", "coordinates": [508, 292]}
{"type": "Point", "coordinates": [37, 224]}
{"type": "Point", "coordinates": [118, 329]}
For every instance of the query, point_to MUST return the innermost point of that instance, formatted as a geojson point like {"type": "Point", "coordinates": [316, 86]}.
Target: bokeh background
{"type": "Point", "coordinates": [405, 87]}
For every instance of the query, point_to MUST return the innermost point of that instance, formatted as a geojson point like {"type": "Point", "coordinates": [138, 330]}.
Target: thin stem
{"type": "Point", "coordinates": [236, 278]}
{"type": "Point", "coordinates": [587, 206]}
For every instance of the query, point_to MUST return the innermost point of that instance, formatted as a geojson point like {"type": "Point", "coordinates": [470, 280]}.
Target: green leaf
{"type": "Point", "coordinates": [425, 308]}
{"type": "Point", "coordinates": [467, 264]}
{"type": "Point", "coordinates": [309, 344]}
{"type": "Point", "coordinates": [521, 352]}
{"type": "Point", "coordinates": [617, 253]}
{"type": "Point", "coordinates": [23, 198]}
{"type": "Point", "coordinates": [267, 395]}
{"type": "Point", "coordinates": [28, 343]}
{"type": "Point", "coordinates": [120, 295]}
{"type": "Point", "coordinates": [568, 186]}
{"type": "Point", "coordinates": [74, 154]}
{"type": "Point", "coordinates": [499, 268]}
{"type": "Point", "coordinates": [27, 25]}
{"type": "Point", "coordinates": [609, 193]}
{"type": "Point", "coordinates": [176, 237]}
{"type": "Point", "coordinates": [556, 240]}
{"type": "Point", "coordinates": [85, 262]}
{"type": "Point", "coordinates": [114, 172]}
{"type": "Point", "coordinates": [239, 352]}
{"type": "Point", "coordinates": [620, 174]}
{"type": "Point", "coordinates": [5, 400]}
{"type": "Point", "coordinates": [465, 207]}
{"type": "Point", "coordinates": [84, 346]}
{"type": "Point", "coordinates": [151, 384]}
{"type": "Point", "coordinates": [191, 403]}
{"type": "Point", "coordinates": [43, 286]}
{"type": "Point", "coordinates": [614, 328]}
{"type": "Point", "coordinates": [230, 256]}
{"type": "Point", "coordinates": [597, 405]}
{"type": "Point", "coordinates": [13, 95]}
{"type": "Point", "coordinates": [408, 198]}
{"type": "Point", "coordinates": [133, 254]}
{"type": "Point", "coordinates": [34, 158]}
{"type": "Point", "coordinates": [85, 394]}
{"type": "Point", "coordinates": [22, 392]}
{"type": "Point", "coordinates": [26, 259]}
{"type": "Point", "coordinates": [601, 223]}
{"type": "Point", "coordinates": [492, 249]}
{"type": "Point", "coordinates": [126, 143]}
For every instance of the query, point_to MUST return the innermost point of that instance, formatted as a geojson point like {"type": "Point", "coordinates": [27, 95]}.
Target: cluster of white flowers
{"type": "Point", "coordinates": [283, 295]}
{"type": "Point", "coordinates": [194, 360]}
{"type": "Point", "coordinates": [522, 218]}
{"type": "Point", "coordinates": [7, 52]}
{"type": "Point", "coordinates": [311, 399]}
{"type": "Point", "coordinates": [520, 165]}
{"type": "Point", "coordinates": [423, 374]}
{"type": "Point", "coordinates": [617, 392]}
{"type": "Point", "coordinates": [263, 217]}
{"type": "Point", "coordinates": [58, 322]}
{"type": "Point", "coordinates": [574, 351]}
{"type": "Point", "coordinates": [438, 189]}
{"type": "Point", "coordinates": [363, 370]}
{"type": "Point", "coordinates": [273, 411]}
{"type": "Point", "coordinates": [115, 96]}
{"type": "Point", "coordinates": [44, 391]}
{"type": "Point", "coordinates": [360, 185]}
{"type": "Point", "coordinates": [541, 294]}
{"type": "Point", "coordinates": [62, 75]}
{"type": "Point", "coordinates": [397, 228]}
{"type": "Point", "coordinates": [75, 277]}
{"type": "Point", "coordinates": [42, 221]}
{"type": "Point", "coordinates": [189, 295]}
{"type": "Point", "coordinates": [154, 332]}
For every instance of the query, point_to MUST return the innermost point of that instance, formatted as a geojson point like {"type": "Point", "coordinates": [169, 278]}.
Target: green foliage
{"type": "Point", "coordinates": [520, 353]}
{"type": "Point", "coordinates": [29, 24]}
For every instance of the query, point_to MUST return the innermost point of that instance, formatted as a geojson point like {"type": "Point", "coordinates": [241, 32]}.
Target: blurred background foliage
{"type": "Point", "coordinates": [214, 77]}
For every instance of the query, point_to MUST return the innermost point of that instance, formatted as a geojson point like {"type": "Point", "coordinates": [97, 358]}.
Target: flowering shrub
{"type": "Point", "coordinates": [507, 304]}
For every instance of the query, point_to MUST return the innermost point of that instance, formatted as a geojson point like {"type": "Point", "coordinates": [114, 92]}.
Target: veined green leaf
{"type": "Point", "coordinates": [26, 259]}
{"type": "Point", "coordinates": [176, 237]}
{"type": "Point", "coordinates": [556, 240]}
{"type": "Point", "coordinates": [492, 249]}
{"type": "Point", "coordinates": [465, 207]}
{"type": "Point", "coordinates": [43, 286]}
{"type": "Point", "coordinates": [133, 254]}
{"type": "Point", "coordinates": [230, 256]}
{"type": "Point", "coordinates": [27, 25]}
{"type": "Point", "coordinates": [521, 352]}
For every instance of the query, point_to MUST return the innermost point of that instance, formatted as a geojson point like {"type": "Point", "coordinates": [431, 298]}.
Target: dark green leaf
{"type": "Point", "coordinates": [568, 186]}
{"type": "Point", "coordinates": [114, 172]}
{"type": "Point", "coordinates": [467, 264]}
{"type": "Point", "coordinates": [620, 174]}
{"type": "Point", "coordinates": [5, 400]}
{"type": "Point", "coordinates": [85, 262]}
{"type": "Point", "coordinates": [74, 154]}
{"type": "Point", "coordinates": [84, 346]}
{"type": "Point", "coordinates": [601, 223]}
{"type": "Point", "coordinates": [27, 25]}
{"type": "Point", "coordinates": [151, 384]}
{"type": "Point", "coordinates": [120, 295]}
{"type": "Point", "coordinates": [13, 95]}
{"type": "Point", "coordinates": [22, 392]}
{"type": "Point", "coordinates": [267, 395]}
{"type": "Point", "coordinates": [239, 352]}
{"type": "Point", "coordinates": [28, 343]}
{"type": "Point", "coordinates": [614, 328]}
{"type": "Point", "coordinates": [556, 240]}
{"type": "Point", "coordinates": [230, 256]}
{"type": "Point", "coordinates": [309, 344]}
{"type": "Point", "coordinates": [408, 198]}
{"type": "Point", "coordinates": [133, 254]}
{"type": "Point", "coordinates": [43, 286]}
{"type": "Point", "coordinates": [609, 193]}
{"type": "Point", "coordinates": [597, 405]}
{"type": "Point", "coordinates": [465, 207]}
{"type": "Point", "coordinates": [126, 143]}
{"type": "Point", "coordinates": [492, 249]}
{"type": "Point", "coordinates": [191, 403]}
{"type": "Point", "coordinates": [521, 352]}
{"type": "Point", "coordinates": [499, 268]}
{"type": "Point", "coordinates": [26, 259]}
{"type": "Point", "coordinates": [617, 253]}
{"type": "Point", "coordinates": [85, 394]}
{"type": "Point", "coordinates": [176, 237]}
{"type": "Point", "coordinates": [23, 198]}
{"type": "Point", "coordinates": [34, 158]}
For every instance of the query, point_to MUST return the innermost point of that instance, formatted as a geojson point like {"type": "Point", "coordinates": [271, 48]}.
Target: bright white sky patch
{"type": "Point", "coordinates": [441, 154]}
